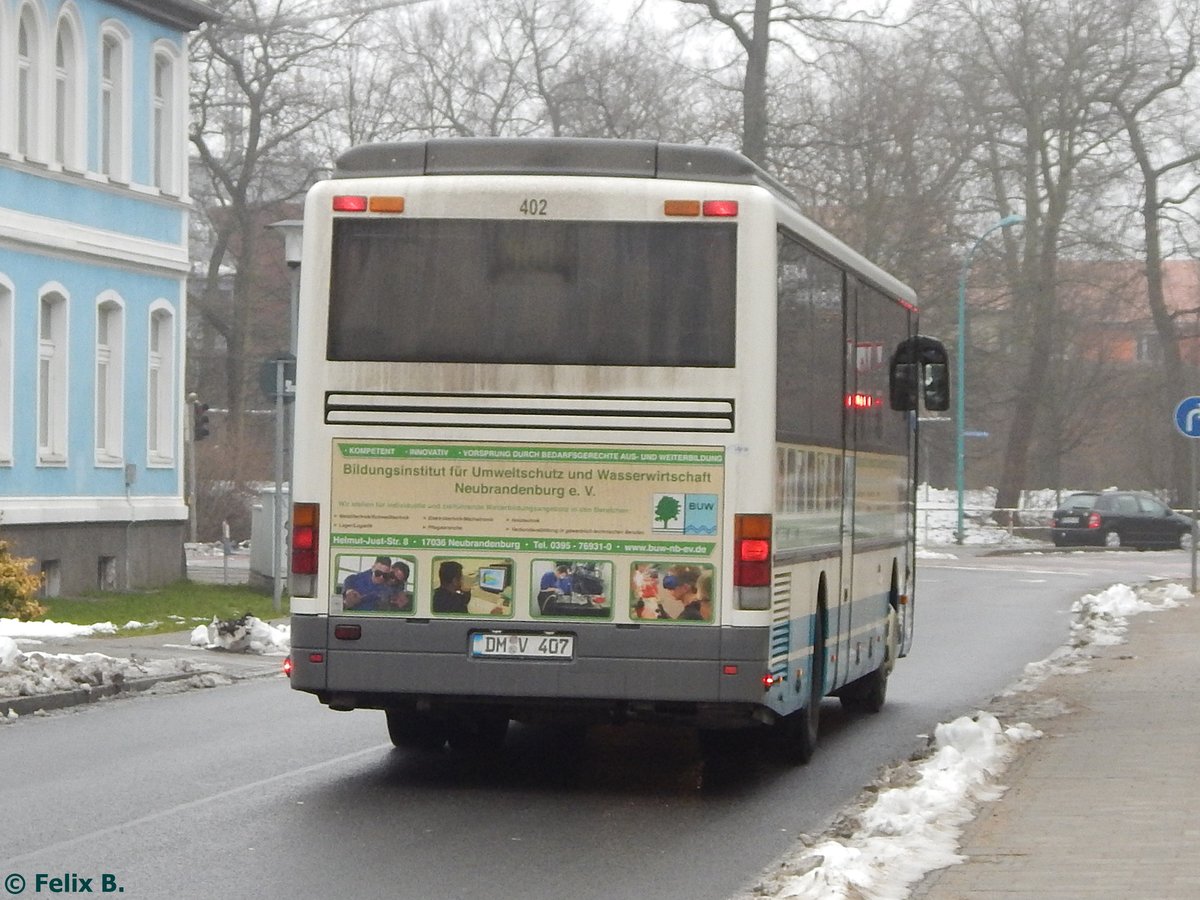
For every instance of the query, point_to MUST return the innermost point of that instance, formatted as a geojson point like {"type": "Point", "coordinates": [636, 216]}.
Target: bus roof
{"type": "Point", "coordinates": [555, 156]}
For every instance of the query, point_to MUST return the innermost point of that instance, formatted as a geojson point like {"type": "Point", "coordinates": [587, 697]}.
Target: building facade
{"type": "Point", "coordinates": [93, 266]}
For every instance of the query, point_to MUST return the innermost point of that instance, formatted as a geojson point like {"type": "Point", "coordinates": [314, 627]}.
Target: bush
{"type": "Point", "coordinates": [18, 587]}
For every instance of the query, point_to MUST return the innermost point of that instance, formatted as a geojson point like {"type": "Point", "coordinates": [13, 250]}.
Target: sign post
{"type": "Point", "coordinates": [1187, 420]}
{"type": "Point", "coordinates": [277, 378]}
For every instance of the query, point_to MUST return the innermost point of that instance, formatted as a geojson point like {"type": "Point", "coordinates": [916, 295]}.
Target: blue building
{"type": "Point", "coordinates": [93, 261]}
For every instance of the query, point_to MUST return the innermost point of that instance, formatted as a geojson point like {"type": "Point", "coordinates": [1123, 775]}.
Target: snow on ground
{"type": "Point", "coordinates": [30, 674]}
{"type": "Point", "coordinates": [26, 672]}
{"type": "Point", "coordinates": [913, 823]}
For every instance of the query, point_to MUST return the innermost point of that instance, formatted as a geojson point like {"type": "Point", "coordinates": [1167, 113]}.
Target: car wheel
{"type": "Point", "coordinates": [1112, 540]}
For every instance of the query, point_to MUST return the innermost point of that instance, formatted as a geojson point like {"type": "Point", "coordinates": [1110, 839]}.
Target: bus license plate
{"type": "Point", "coordinates": [523, 646]}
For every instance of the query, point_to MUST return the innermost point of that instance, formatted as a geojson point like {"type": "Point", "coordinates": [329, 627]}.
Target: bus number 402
{"type": "Point", "coordinates": [533, 207]}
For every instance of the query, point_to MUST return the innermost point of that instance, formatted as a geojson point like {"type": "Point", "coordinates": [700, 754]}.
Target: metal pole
{"type": "Point", "coordinates": [1195, 500]}
{"type": "Point", "coordinates": [960, 394]}
{"type": "Point", "coordinates": [190, 434]}
{"type": "Point", "coordinates": [277, 531]}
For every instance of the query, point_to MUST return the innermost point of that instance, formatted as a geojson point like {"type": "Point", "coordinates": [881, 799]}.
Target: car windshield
{"type": "Point", "coordinates": [1080, 501]}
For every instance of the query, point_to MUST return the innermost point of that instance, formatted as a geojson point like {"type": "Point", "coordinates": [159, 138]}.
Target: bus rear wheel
{"type": "Point", "coordinates": [472, 732]}
{"type": "Point", "coordinates": [412, 730]}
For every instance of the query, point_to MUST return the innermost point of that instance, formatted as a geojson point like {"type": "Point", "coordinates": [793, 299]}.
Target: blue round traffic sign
{"type": "Point", "coordinates": [1187, 417]}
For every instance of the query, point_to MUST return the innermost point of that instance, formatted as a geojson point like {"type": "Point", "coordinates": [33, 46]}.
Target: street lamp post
{"type": "Point", "coordinates": [960, 393]}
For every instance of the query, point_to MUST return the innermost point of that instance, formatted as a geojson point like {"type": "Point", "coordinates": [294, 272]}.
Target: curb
{"type": "Point", "coordinates": [24, 706]}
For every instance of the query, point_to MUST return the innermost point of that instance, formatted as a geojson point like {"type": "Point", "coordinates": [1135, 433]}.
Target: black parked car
{"type": "Point", "coordinates": [1118, 519]}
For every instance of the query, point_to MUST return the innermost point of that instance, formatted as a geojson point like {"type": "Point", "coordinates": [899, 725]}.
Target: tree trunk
{"type": "Point", "coordinates": [754, 85]}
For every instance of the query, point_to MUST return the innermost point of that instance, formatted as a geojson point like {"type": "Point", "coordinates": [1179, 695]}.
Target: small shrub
{"type": "Point", "coordinates": [18, 587]}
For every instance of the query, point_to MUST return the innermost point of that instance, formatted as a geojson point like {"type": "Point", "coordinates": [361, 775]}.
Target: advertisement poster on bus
{"type": "Point", "coordinates": [527, 531]}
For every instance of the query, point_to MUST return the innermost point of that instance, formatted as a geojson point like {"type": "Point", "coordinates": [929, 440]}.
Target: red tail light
{"type": "Point", "coordinates": [751, 550]}
{"type": "Point", "coordinates": [305, 523]}
{"type": "Point", "coordinates": [349, 203]}
{"type": "Point", "coordinates": [1093, 520]}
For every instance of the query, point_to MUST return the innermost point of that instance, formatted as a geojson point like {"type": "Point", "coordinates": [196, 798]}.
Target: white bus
{"type": "Point", "coordinates": [596, 431]}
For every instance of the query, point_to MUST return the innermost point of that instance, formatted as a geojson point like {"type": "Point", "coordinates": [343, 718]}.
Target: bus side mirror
{"type": "Point", "coordinates": [920, 371]}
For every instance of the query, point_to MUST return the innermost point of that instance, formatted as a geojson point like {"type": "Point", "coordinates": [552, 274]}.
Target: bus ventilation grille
{"type": "Point", "coordinates": [654, 415]}
{"type": "Point", "coordinates": [781, 623]}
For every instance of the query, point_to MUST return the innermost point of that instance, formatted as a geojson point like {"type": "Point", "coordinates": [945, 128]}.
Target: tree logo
{"type": "Point", "coordinates": [668, 513]}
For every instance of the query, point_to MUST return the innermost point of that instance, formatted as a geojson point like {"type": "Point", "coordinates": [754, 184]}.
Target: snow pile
{"type": "Point", "coordinates": [48, 628]}
{"type": "Point", "coordinates": [32, 674]}
{"type": "Point", "coordinates": [246, 634]}
{"type": "Point", "coordinates": [1100, 620]}
{"type": "Point", "coordinates": [914, 828]}
{"type": "Point", "coordinates": [9, 651]}
{"type": "Point", "coordinates": [913, 825]}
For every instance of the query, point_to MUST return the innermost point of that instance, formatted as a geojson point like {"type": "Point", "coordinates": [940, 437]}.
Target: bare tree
{"type": "Point", "coordinates": [1154, 106]}
{"type": "Point", "coordinates": [258, 88]}
{"type": "Point", "coordinates": [804, 27]}
{"type": "Point", "coordinates": [877, 154]}
{"type": "Point", "coordinates": [518, 67]}
{"type": "Point", "coordinates": [1031, 76]}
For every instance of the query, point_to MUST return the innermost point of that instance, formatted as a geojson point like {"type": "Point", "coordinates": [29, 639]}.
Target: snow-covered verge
{"type": "Point", "coordinates": [909, 822]}
{"type": "Point", "coordinates": [34, 673]}
{"type": "Point", "coordinates": [26, 672]}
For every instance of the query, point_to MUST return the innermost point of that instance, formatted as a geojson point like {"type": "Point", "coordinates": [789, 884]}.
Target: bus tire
{"type": "Point", "coordinates": [411, 730]}
{"type": "Point", "coordinates": [869, 693]}
{"type": "Point", "coordinates": [475, 732]}
{"type": "Point", "coordinates": [798, 731]}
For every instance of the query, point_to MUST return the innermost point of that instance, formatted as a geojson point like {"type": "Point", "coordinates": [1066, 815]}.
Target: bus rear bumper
{"type": "Point", "coordinates": [709, 676]}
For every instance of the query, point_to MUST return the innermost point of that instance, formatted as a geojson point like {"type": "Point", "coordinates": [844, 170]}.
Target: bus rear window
{"type": "Point", "coordinates": [559, 293]}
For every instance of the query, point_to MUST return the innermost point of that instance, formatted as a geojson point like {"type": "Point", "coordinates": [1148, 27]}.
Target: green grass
{"type": "Point", "coordinates": [195, 603]}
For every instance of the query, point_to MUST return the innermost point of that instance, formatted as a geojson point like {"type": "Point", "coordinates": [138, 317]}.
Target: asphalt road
{"type": "Point", "coordinates": [255, 791]}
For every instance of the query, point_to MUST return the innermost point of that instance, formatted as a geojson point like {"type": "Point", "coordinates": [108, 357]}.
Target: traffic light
{"type": "Point", "coordinates": [199, 421]}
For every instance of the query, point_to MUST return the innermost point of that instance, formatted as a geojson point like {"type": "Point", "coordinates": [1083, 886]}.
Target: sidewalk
{"type": "Point", "coordinates": [147, 648]}
{"type": "Point", "coordinates": [1107, 803]}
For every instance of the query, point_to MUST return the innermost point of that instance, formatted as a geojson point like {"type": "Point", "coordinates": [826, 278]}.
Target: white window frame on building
{"type": "Point", "coordinates": [28, 47]}
{"type": "Point", "coordinates": [70, 114]}
{"type": "Point", "coordinates": [167, 128]}
{"type": "Point", "coordinates": [160, 385]}
{"type": "Point", "coordinates": [53, 375]}
{"type": "Point", "coordinates": [114, 110]}
{"type": "Point", "coordinates": [110, 380]}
